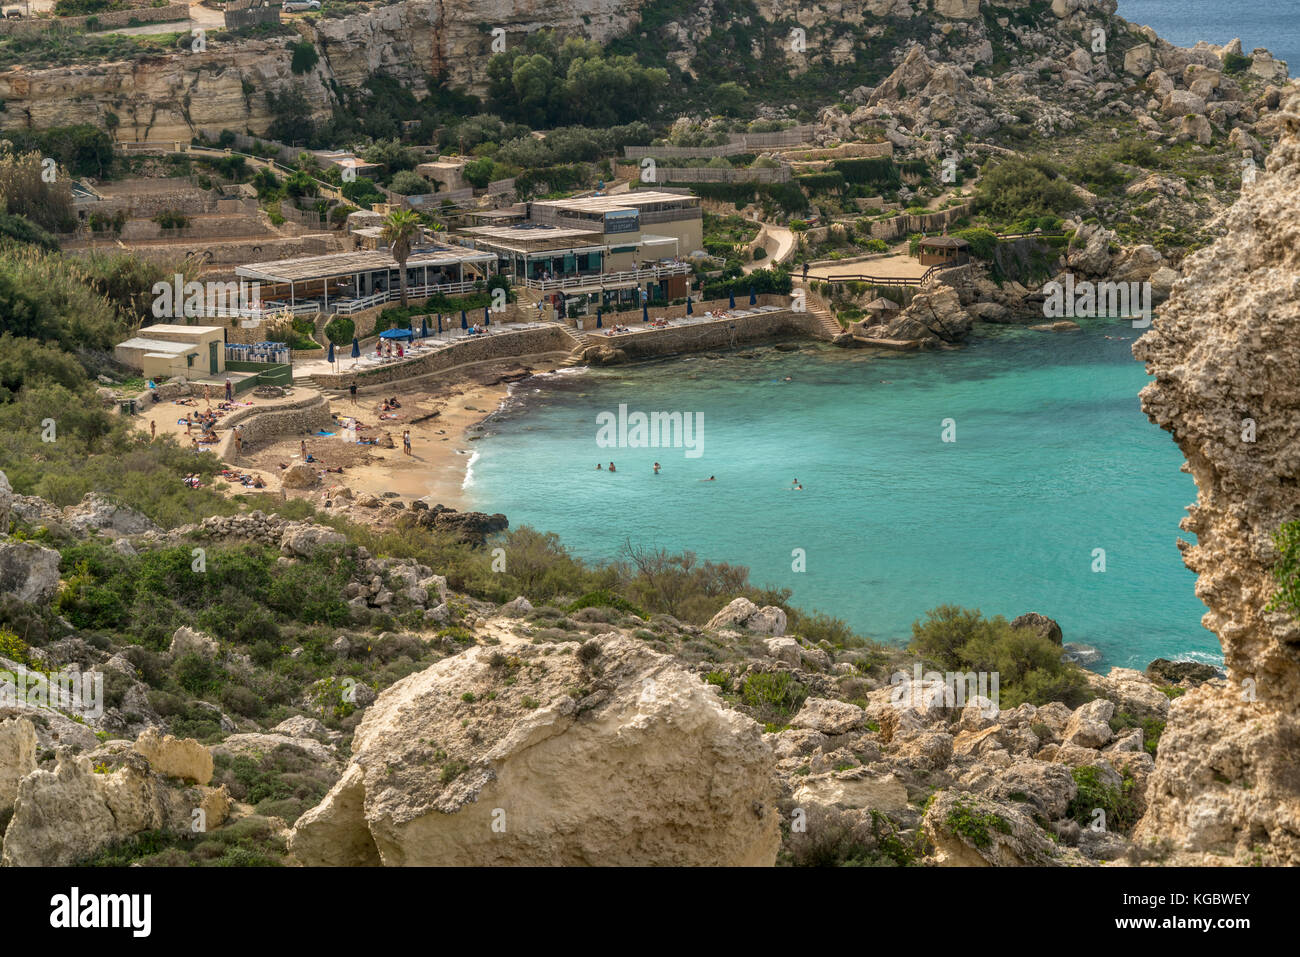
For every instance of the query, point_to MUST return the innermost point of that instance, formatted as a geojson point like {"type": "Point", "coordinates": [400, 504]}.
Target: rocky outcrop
{"type": "Point", "coordinates": [64, 816]}
{"type": "Point", "coordinates": [741, 613]}
{"type": "Point", "coordinates": [933, 318]}
{"type": "Point", "coordinates": [182, 758]}
{"type": "Point", "coordinates": [612, 755]}
{"type": "Point", "coordinates": [1227, 387]}
{"type": "Point", "coordinates": [95, 513]}
{"type": "Point", "coordinates": [17, 758]}
{"type": "Point", "coordinates": [6, 503]}
{"type": "Point", "coordinates": [28, 572]}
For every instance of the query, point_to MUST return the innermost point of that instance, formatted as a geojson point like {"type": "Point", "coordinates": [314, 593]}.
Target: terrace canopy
{"type": "Point", "coordinates": [368, 271]}
{"type": "Point", "coordinates": [395, 334]}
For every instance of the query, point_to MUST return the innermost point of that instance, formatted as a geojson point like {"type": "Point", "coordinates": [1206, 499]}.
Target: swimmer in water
{"type": "Point", "coordinates": [656, 468]}
{"type": "Point", "coordinates": [598, 467]}
{"type": "Point", "coordinates": [711, 479]}
{"type": "Point", "coordinates": [611, 466]}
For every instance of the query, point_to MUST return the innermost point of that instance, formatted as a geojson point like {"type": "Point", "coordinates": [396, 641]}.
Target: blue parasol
{"type": "Point", "coordinates": [689, 310]}
{"type": "Point", "coordinates": [753, 299]}
{"type": "Point", "coordinates": [487, 316]}
{"type": "Point", "coordinates": [645, 313]}
{"type": "Point", "coordinates": [464, 322]}
{"type": "Point", "coordinates": [598, 314]}
{"type": "Point", "coordinates": [356, 348]}
{"type": "Point", "coordinates": [731, 299]}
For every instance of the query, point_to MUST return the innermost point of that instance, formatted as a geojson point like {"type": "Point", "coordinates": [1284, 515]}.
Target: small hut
{"type": "Point", "coordinates": [944, 251]}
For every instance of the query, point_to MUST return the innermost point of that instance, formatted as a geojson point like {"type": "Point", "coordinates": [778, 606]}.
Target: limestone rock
{"type": "Point", "coordinates": [300, 475]}
{"type": "Point", "coordinates": [175, 757]}
{"type": "Point", "coordinates": [17, 758]}
{"type": "Point", "coordinates": [517, 608]}
{"type": "Point", "coordinates": [743, 613]}
{"type": "Point", "coordinates": [96, 513]}
{"type": "Point", "coordinates": [185, 641]}
{"type": "Point", "coordinates": [1041, 625]}
{"type": "Point", "coordinates": [1089, 726]}
{"type": "Point", "coordinates": [306, 540]}
{"type": "Point", "coordinates": [828, 716]}
{"type": "Point", "coordinates": [6, 503]}
{"type": "Point", "coordinates": [857, 788]}
{"type": "Point", "coordinates": [648, 769]}
{"type": "Point", "coordinates": [970, 830]}
{"type": "Point", "coordinates": [65, 815]}
{"type": "Point", "coordinates": [28, 571]}
{"type": "Point", "coordinates": [1226, 369]}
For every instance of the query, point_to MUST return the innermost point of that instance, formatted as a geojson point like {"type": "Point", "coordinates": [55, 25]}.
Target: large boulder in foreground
{"type": "Point", "coordinates": [549, 754]}
{"type": "Point", "coordinates": [1226, 366]}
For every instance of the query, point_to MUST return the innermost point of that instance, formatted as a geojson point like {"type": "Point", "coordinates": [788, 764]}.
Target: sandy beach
{"type": "Point", "coordinates": [439, 417]}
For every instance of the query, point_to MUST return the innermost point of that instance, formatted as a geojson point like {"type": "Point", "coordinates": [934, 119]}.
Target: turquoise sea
{"type": "Point", "coordinates": [1052, 460]}
{"type": "Point", "coordinates": [1273, 24]}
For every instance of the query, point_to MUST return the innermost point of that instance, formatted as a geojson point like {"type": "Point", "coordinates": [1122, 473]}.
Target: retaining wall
{"type": "Point", "coordinates": [499, 345]}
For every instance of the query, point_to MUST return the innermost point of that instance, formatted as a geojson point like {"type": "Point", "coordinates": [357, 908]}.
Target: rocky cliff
{"type": "Point", "coordinates": [1227, 387]}
{"type": "Point", "coordinates": [169, 97]}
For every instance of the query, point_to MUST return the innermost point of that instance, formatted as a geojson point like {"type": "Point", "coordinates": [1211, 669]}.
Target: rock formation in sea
{"type": "Point", "coordinates": [1227, 387]}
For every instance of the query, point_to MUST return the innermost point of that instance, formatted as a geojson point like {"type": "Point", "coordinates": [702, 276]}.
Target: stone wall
{"type": "Point", "coordinates": [499, 345]}
{"type": "Point", "coordinates": [719, 334]}
{"type": "Point", "coordinates": [263, 424]}
{"type": "Point", "coordinates": [110, 20]}
{"type": "Point", "coordinates": [900, 226]}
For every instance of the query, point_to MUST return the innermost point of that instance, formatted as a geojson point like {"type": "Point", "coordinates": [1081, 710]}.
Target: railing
{"type": "Point", "coordinates": [894, 281]}
{"type": "Point", "coordinates": [607, 278]}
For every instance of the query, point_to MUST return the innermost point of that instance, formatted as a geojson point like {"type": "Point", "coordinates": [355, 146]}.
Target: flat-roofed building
{"type": "Point", "coordinates": [175, 350]}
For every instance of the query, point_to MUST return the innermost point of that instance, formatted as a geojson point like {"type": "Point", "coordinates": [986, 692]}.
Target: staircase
{"type": "Point", "coordinates": [821, 314]}
{"type": "Point", "coordinates": [581, 341]}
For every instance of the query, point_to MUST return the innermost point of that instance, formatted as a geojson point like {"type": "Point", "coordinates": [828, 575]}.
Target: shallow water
{"type": "Point", "coordinates": [1052, 460]}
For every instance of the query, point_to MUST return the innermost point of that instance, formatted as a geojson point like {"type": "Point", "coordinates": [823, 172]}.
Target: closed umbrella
{"type": "Point", "coordinates": [464, 320]}
{"type": "Point", "coordinates": [731, 299]}
{"type": "Point", "coordinates": [330, 358]}
{"type": "Point", "coordinates": [689, 310]}
{"type": "Point", "coordinates": [487, 316]}
{"type": "Point", "coordinates": [424, 327]}
{"type": "Point", "coordinates": [598, 314]}
{"type": "Point", "coordinates": [356, 350]}
{"type": "Point", "coordinates": [645, 313]}
{"type": "Point", "coordinates": [753, 299]}
{"type": "Point", "coordinates": [439, 323]}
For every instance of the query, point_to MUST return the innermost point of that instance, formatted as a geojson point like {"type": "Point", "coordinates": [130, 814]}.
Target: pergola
{"type": "Point", "coordinates": [309, 270]}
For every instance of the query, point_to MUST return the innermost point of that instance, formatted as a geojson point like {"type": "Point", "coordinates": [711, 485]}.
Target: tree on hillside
{"type": "Point", "coordinates": [401, 229]}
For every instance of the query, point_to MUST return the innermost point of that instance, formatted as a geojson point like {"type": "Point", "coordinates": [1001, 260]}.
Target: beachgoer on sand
{"type": "Point", "coordinates": [406, 441]}
{"type": "Point", "coordinates": [153, 430]}
{"type": "Point", "coordinates": [229, 393]}
{"type": "Point", "coordinates": [353, 389]}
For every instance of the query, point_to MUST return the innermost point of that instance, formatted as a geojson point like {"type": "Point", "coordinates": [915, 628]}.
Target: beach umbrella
{"type": "Point", "coordinates": [689, 310]}
{"type": "Point", "coordinates": [731, 299]}
{"type": "Point", "coordinates": [598, 314]}
{"type": "Point", "coordinates": [439, 323]}
{"type": "Point", "coordinates": [464, 320]}
{"type": "Point", "coordinates": [645, 312]}
{"type": "Point", "coordinates": [753, 299]}
{"type": "Point", "coordinates": [487, 316]}
{"type": "Point", "coordinates": [356, 348]}
{"type": "Point", "coordinates": [330, 358]}
{"type": "Point", "coordinates": [424, 327]}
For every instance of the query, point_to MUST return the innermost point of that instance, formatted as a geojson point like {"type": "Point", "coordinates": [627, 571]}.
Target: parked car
{"type": "Point", "coordinates": [298, 6]}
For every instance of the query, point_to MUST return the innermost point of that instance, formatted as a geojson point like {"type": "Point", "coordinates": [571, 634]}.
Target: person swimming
{"type": "Point", "coordinates": [611, 466]}
{"type": "Point", "coordinates": [711, 478]}
{"type": "Point", "coordinates": [599, 467]}
{"type": "Point", "coordinates": [656, 468]}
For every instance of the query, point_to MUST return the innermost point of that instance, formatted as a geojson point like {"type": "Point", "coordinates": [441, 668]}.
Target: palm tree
{"type": "Point", "coordinates": [401, 229]}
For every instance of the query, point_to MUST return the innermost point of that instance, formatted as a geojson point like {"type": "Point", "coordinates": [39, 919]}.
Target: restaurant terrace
{"type": "Point", "coordinates": [346, 283]}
